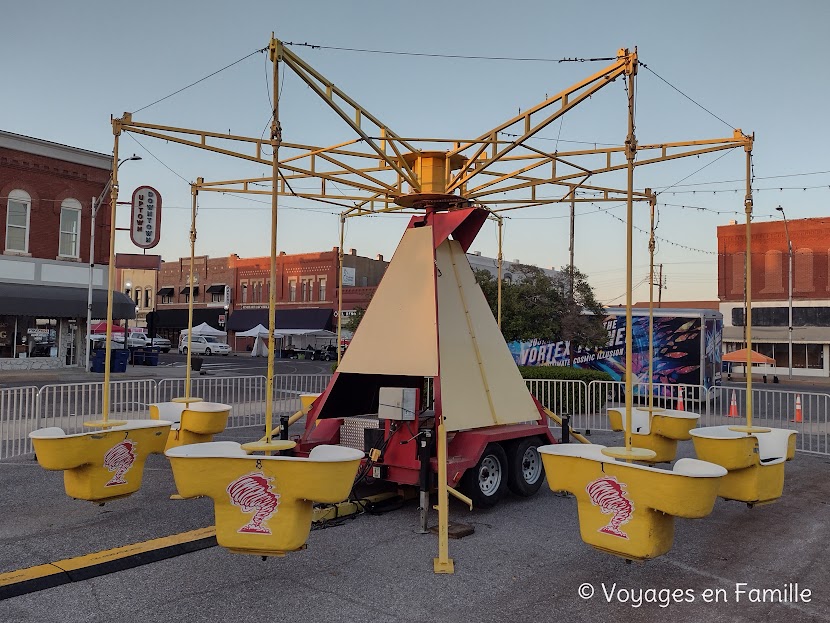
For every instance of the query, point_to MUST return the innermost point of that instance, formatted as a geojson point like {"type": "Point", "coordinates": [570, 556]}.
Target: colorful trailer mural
{"type": "Point", "coordinates": [687, 348]}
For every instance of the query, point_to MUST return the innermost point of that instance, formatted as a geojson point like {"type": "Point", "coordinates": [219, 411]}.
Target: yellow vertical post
{"type": "Point", "coordinates": [105, 407]}
{"type": "Point", "coordinates": [194, 194]}
{"type": "Point", "coordinates": [443, 563]}
{"type": "Point", "coordinates": [748, 264]}
{"type": "Point", "coordinates": [630, 153]}
{"type": "Point", "coordinates": [498, 298]}
{"type": "Point", "coordinates": [339, 283]}
{"type": "Point", "coordinates": [651, 202]}
{"type": "Point", "coordinates": [276, 138]}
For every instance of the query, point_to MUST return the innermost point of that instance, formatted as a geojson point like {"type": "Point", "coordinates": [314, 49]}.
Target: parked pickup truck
{"type": "Point", "coordinates": [138, 339]}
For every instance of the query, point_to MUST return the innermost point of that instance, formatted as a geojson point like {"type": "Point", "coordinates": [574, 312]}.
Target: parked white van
{"type": "Point", "coordinates": [205, 345]}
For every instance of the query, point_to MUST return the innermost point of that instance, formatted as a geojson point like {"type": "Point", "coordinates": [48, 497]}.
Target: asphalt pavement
{"type": "Point", "coordinates": [525, 562]}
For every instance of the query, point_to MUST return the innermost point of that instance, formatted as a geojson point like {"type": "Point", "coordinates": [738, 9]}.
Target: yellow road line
{"type": "Point", "coordinates": [39, 577]}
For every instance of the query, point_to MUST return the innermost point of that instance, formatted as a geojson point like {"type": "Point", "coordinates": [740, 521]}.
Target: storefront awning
{"type": "Point", "coordinates": [176, 319]}
{"type": "Point", "coordinates": [311, 319]}
{"type": "Point", "coordinates": [166, 292]}
{"type": "Point", "coordinates": [186, 290]}
{"type": "Point", "coordinates": [216, 288]}
{"type": "Point", "coordinates": [41, 301]}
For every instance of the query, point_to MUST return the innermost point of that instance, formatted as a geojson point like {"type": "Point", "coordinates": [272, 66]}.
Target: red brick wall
{"type": "Point", "coordinates": [49, 181]}
{"type": "Point", "coordinates": [209, 271]}
{"type": "Point", "coordinates": [811, 256]}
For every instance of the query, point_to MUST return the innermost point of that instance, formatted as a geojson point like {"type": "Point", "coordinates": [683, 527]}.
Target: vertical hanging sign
{"type": "Point", "coordinates": [145, 221]}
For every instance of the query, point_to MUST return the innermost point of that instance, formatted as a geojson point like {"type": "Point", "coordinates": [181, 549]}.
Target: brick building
{"type": "Point", "coordinates": [46, 193]}
{"type": "Point", "coordinates": [212, 277]}
{"type": "Point", "coordinates": [770, 286]}
{"type": "Point", "coordinates": [232, 293]}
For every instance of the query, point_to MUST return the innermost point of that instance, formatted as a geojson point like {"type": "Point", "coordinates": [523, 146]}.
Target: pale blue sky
{"type": "Point", "coordinates": [757, 65]}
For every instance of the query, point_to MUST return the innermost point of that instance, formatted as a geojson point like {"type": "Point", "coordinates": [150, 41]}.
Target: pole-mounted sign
{"type": "Point", "coordinates": [145, 221]}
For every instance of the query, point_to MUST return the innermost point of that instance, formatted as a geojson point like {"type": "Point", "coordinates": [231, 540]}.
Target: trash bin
{"type": "Point", "coordinates": [196, 363]}
{"type": "Point", "coordinates": [98, 359]}
{"type": "Point", "coordinates": [151, 356]}
{"type": "Point", "coordinates": [138, 355]}
{"type": "Point", "coordinates": [119, 359]}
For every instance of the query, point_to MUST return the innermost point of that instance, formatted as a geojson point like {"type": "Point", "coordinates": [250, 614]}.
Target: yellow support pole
{"type": "Point", "coordinates": [443, 563]}
{"type": "Point", "coordinates": [748, 272]}
{"type": "Point", "coordinates": [105, 398]}
{"type": "Point", "coordinates": [276, 139]}
{"type": "Point", "coordinates": [498, 298]}
{"type": "Point", "coordinates": [651, 202]}
{"type": "Point", "coordinates": [194, 194]}
{"type": "Point", "coordinates": [628, 452]}
{"type": "Point", "coordinates": [340, 286]}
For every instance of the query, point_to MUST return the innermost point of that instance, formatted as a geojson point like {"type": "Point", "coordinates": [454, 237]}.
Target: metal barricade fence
{"type": "Point", "coordinates": [563, 397]}
{"type": "Point", "coordinates": [68, 406]}
{"type": "Point", "coordinates": [776, 409]}
{"type": "Point", "coordinates": [288, 387]}
{"type": "Point", "coordinates": [18, 416]}
{"type": "Point", "coordinates": [603, 395]}
{"type": "Point", "coordinates": [245, 394]}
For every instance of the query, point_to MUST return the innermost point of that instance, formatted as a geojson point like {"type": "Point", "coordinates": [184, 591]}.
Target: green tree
{"type": "Point", "coordinates": [537, 306]}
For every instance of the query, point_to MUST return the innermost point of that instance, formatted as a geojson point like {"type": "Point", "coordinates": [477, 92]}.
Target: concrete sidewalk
{"type": "Point", "coordinates": [525, 562]}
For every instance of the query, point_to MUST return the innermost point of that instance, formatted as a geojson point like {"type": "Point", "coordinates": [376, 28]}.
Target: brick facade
{"type": "Point", "coordinates": [811, 258]}
{"type": "Point", "coordinates": [50, 181]}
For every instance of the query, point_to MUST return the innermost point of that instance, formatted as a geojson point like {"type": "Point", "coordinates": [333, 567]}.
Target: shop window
{"type": "Point", "coordinates": [815, 356]}
{"type": "Point", "coordinates": [70, 228]}
{"type": "Point", "coordinates": [18, 212]}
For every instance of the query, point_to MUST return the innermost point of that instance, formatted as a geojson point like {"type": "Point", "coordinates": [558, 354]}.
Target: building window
{"type": "Point", "coordinates": [322, 289]}
{"type": "Point", "coordinates": [19, 207]}
{"type": "Point", "coordinates": [304, 290]}
{"type": "Point", "coordinates": [167, 300]}
{"type": "Point", "coordinates": [70, 235]}
{"type": "Point", "coordinates": [147, 298]}
{"type": "Point", "coordinates": [292, 290]}
{"type": "Point", "coordinates": [187, 297]}
{"type": "Point", "coordinates": [137, 296]}
{"type": "Point", "coordinates": [215, 297]}
{"type": "Point", "coordinates": [244, 292]}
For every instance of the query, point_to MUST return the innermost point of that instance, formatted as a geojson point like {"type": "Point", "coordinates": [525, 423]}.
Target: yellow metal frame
{"type": "Point", "coordinates": [379, 170]}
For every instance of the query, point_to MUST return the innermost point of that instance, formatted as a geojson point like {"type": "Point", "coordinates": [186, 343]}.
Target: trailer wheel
{"type": "Point", "coordinates": [525, 473]}
{"type": "Point", "coordinates": [486, 483]}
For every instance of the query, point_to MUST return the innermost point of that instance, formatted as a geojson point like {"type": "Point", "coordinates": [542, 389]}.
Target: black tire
{"type": "Point", "coordinates": [486, 483]}
{"type": "Point", "coordinates": [207, 352]}
{"type": "Point", "coordinates": [525, 473]}
{"type": "Point", "coordinates": [184, 350]}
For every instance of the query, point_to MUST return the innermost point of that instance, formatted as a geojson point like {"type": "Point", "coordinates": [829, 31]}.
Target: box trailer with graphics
{"type": "Point", "coordinates": [687, 348]}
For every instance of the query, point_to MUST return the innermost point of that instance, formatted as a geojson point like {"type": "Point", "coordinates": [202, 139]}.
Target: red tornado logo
{"type": "Point", "coordinates": [252, 493]}
{"type": "Point", "coordinates": [608, 494]}
{"type": "Point", "coordinates": [120, 459]}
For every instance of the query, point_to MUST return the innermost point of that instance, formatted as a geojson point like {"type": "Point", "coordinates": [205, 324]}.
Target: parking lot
{"type": "Point", "coordinates": [524, 562]}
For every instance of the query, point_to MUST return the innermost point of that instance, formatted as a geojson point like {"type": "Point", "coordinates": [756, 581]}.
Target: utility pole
{"type": "Point", "coordinates": [660, 285]}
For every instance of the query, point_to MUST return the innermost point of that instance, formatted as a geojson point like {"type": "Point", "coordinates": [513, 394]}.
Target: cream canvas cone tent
{"type": "Point", "coordinates": [429, 318]}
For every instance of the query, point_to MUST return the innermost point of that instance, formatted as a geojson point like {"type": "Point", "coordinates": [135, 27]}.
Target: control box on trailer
{"type": "Point", "coordinates": [397, 403]}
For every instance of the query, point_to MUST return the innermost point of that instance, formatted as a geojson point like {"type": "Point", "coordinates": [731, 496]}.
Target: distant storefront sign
{"type": "Point", "coordinates": [348, 278]}
{"type": "Point", "coordinates": [227, 296]}
{"type": "Point", "coordinates": [145, 221]}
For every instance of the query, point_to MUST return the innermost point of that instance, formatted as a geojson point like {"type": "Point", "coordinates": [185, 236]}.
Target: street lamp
{"type": "Point", "coordinates": [790, 280]}
{"type": "Point", "coordinates": [96, 203]}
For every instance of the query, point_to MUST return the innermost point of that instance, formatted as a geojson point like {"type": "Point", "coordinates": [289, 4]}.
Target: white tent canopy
{"type": "Point", "coordinates": [304, 332]}
{"type": "Point", "coordinates": [205, 329]}
{"type": "Point", "coordinates": [257, 331]}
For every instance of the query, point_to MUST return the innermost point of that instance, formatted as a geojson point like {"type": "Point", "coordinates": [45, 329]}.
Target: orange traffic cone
{"type": "Point", "coordinates": [733, 406]}
{"type": "Point", "coordinates": [798, 415]}
{"type": "Point", "coordinates": [680, 406]}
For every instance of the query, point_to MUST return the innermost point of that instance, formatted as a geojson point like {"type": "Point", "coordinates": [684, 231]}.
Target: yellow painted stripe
{"type": "Point", "coordinates": [108, 555]}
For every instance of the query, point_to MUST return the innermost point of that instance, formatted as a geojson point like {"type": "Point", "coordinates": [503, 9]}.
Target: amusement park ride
{"type": "Point", "coordinates": [450, 408]}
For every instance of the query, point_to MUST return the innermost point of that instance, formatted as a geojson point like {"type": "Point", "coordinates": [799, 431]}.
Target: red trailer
{"type": "Point", "coordinates": [450, 365]}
